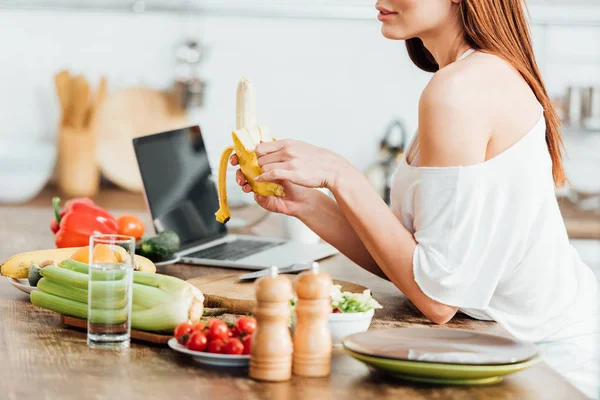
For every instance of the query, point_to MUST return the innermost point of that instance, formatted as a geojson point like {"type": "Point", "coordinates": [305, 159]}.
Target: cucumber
{"type": "Point", "coordinates": [159, 247]}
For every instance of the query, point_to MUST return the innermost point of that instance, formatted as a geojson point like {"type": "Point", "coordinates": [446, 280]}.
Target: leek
{"type": "Point", "coordinates": [159, 302]}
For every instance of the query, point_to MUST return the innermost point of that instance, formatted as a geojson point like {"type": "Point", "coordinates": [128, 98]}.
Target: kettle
{"type": "Point", "coordinates": [391, 149]}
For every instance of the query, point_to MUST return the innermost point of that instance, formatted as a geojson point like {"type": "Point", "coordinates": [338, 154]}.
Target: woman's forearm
{"type": "Point", "coordinates": [391, 245]}
{"type": "Point", "coordinates": [323, 216]}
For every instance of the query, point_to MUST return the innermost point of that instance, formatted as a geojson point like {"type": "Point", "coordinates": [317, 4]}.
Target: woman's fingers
{"type": "Point", "coordinates": [265, 148]}
{"type": "Point", "coordinates": [271, 158]}
{"type": "Point", "coordinates": [240, 178]}
{"type": "Point", "coordinates": [274, 174]}
{"type": "Point", "coordinates": [277, 165]}
{"type": "Point", "coordinates": [234, 159]}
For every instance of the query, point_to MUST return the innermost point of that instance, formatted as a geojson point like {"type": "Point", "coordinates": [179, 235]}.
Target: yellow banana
{"type": "Point", "coordinates": [245, 138]}
{"type": "Point", "coordinates": [17, 266]}
{"type": "Point", "coordinates": [223, 213]}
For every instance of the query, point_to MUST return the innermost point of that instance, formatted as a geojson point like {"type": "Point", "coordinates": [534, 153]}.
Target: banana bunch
{"type": "Point", "coordinates": [246, 136]}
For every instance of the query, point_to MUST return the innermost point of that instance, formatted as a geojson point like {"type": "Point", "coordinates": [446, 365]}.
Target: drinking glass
{"type": "Point", "coordinates": [110, 290]}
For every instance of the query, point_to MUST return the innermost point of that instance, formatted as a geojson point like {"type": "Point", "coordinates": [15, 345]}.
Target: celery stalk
{"type": "Point", "coordinates": [108, 300]}
{"type": "Point", "coordinates": [159, 302]}
{"type": "Point", "coordinates": [99, 274]}
{"type": "Point", "coordinates": [162, 317]}
{"type": "Point", "coordinates": [64, 291]}
{"type": "Point", "coordinates": [76, 309]}
{"type": "Point", "coordinates": [69, 278]}
{"type": "Point", "coordinates": [148, 296]}
{"type": "Point", "coordinates": [65, 277]}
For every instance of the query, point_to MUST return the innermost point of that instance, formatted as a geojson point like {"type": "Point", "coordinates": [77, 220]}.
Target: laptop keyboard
{"type": "Point", "coordinates": [233, 250]}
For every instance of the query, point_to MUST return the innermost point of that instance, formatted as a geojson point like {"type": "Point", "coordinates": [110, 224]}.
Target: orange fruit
{"type": "Point", "coordinates": [82, 255]}
{"type": "Point", "coordinates": [104, 254]}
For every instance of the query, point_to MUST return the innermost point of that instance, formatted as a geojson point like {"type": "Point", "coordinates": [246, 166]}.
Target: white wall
{"type": "Point", "coordinates": [334, 83]}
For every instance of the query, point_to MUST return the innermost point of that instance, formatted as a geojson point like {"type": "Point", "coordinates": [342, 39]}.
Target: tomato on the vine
{"type": "Point", "coordinates": [197, 341]}
{"type": "Point", "coordinates": [216, 346]}
{"type": "Point", "coordinates": [246, 325]}
{"type": "Point", "coordinates": [218, 330]}
{"type": "Point", "coordinates": [234, 333]}
{"type": "Point", "coordinates": [183, 329]}
{"type": "Point", "coordinates": [234, 346]}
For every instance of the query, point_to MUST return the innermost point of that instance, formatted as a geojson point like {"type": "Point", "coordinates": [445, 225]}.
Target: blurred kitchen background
{"type": "Point", "coordinates": [322, 72]}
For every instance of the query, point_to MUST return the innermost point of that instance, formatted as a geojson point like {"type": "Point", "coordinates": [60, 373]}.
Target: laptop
{"type": "Point", "coordinates": [181, 195]}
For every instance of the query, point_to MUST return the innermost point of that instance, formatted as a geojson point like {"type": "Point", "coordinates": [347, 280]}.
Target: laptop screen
{"type": "Point", "coordinates": [176, 174]}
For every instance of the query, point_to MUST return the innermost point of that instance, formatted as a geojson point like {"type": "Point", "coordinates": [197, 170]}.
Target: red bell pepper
{"type": "Point", "coordinates": [81, 219]}
{"type": "Point", "coordinates": [68, 205]}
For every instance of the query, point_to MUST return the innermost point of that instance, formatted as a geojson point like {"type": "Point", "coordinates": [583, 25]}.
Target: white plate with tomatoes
{"type": "Point", "coordinates": [215, 342]}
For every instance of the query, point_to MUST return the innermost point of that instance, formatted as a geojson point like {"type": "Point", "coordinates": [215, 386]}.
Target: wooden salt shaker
{"type": "Point", "coordinates": [271, 348]}
{"type": "Point", "coordinates": [312, 338]}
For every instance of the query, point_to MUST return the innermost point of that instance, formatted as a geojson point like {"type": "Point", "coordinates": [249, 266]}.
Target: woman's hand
{"type": "Point", "coordinates": [295, 201]}
{"type": "Point", "coordinates": [298, 162]}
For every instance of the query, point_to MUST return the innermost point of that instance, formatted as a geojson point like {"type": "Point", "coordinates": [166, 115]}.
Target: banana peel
{"type": "Point", "coordinates": [245, 138]}
{"type": "Point", "coordinates": [17, 266]}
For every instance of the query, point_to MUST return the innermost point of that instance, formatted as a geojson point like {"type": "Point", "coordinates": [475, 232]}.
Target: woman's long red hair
{"type": "Point", "coordinates": [499, 27]}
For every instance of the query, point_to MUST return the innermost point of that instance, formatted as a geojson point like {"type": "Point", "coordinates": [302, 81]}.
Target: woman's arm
{"type": "Point", "coordinates": [323, 216]}
{"type": "Point", "coordinates": [449, 135]}
{"type": "Point", "coordinates": [391, 245]}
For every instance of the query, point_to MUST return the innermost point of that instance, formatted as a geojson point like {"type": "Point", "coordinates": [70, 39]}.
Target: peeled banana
{"type": "Point", "coordinates": [245, 138]}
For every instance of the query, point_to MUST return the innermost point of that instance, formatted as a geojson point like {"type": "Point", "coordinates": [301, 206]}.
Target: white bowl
{"type": "Point", "coordinates": [26, 165]}
{"type": "Point", "coordinates": [344, 324]}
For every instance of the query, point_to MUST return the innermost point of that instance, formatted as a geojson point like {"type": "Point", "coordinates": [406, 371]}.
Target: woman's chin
{"type": "Point", "coordinates": [391, 32]}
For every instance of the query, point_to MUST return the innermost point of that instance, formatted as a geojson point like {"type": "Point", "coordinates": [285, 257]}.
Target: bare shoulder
{"type": "Point", "coordinates": [467, 105]}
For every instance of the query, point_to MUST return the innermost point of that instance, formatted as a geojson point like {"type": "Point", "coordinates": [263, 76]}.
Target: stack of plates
{"type": "Point", "coordinates": [441, 355]}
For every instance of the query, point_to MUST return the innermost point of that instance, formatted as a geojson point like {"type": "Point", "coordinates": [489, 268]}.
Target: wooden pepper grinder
{"type": "Point", "coordinates": [312, 338]}
{"type": "Point", "coordinates": [271, 348]}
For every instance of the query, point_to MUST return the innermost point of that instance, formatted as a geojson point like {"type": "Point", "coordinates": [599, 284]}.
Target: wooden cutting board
{"type": "Point", "coordinates": [135, 334]}
{"type": "Point", "coordinates": [226, 291]}
{"type": "Point", "coordinates": [128, 113]}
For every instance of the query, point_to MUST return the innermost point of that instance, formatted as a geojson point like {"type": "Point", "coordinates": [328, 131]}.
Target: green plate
{"type": "Point", "coordinates": [446, 374]}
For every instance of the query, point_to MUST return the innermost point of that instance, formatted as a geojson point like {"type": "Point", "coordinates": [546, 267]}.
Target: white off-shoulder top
{"type": "Point", "coordinates": [491, 241]}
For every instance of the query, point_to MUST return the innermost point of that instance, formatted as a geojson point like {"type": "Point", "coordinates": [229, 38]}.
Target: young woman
{"type": "Point", "coordinates": [474, 223]}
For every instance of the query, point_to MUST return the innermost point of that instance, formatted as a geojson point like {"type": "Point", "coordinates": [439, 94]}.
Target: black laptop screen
{"type": "Point", "coordinates": [177, 179]}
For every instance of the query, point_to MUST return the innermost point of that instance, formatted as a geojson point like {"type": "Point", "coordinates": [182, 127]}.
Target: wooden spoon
{"type": "Point", "coordinates": [98, 100]}
{"type": "Point", "coordinates": [81, 98]}
{"type": "Point", "coordinates": [62, 82]}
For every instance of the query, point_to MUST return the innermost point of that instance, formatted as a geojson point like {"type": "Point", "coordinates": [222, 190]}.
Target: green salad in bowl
{"type": "Point", "coordinates": [350, 313]}
{"type": "Point", "coordinates": [348, 302]}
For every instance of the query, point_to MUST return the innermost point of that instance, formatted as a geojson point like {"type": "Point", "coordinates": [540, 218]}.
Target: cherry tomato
{"type": "Point", "coordinates": [211, 322]}
{"type": "Point", "coordinates": [247, 342]}
{"type": "Point", "coordinates": [130, 225]}
{"type": "Point", "coordinates": [246, 324]}
{"type": "Point", "coordinates": [216, 346]}
{"type": "Point", "coordinates": [197, 341]}
{"type": "Point", "coordinates": [234, 346]}
{"type": "Point", "coordinates": [234, 333]}
{"type": "Point", "coordinates": [218, 330]}
{"type": "Point", "coordinates": [198, 326]}
{"type": "Point", "coordinates": [183, 329]}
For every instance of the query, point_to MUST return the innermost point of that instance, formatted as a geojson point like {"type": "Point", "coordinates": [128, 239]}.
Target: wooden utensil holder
{"type": "Point", "coordinates": [77, 171]}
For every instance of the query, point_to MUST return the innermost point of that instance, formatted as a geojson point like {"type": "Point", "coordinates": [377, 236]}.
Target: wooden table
{"type": "Point", "coordinates": [41, 359]}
